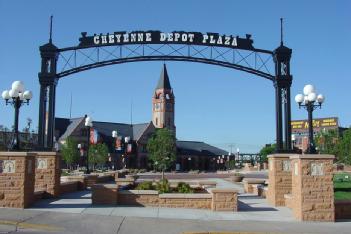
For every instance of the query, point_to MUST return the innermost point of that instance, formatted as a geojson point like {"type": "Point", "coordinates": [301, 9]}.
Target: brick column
{"type": "Point", "coordinates": [17, 175]}
{"type": "Point", "coordinates": [279, 178]}
{"type": "Point", "coordinates": [48, 172]}
{"type": "Point", "coordinates": [312, 187]}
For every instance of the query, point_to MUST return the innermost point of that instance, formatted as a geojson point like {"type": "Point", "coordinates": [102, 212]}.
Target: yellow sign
{"type": "Point", "coordinates": [317, 123]}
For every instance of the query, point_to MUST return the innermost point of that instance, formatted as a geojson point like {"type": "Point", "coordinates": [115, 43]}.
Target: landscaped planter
{"type": "Point", "coordinates": [134, 176]}
{"type": "Point", "coordinates": [104, 194]}
{"type": "Point", "coordinates": [217, 199]}
{"type": "Point", "coordinates": [236, 178]}
{"type": "Point", "coordinates": [80, 179]}
{"type": "Point", "coordinates": [172, 200]}
{"type": "Point", "coordinates": [90, 180]}
{"type": "Point", "coordinates": [125, 181]}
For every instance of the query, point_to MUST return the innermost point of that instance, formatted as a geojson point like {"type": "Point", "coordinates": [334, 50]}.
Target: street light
{"type": "Point", "coordinates": [310, 101]}
{"type": "Point", "coordinates": [19, 97]}
{"type": "Point", "coordinates": [128, 161]}
{"type": "Point", "coordinates": [293, 139]}
{"type": "Point", "coordinates": [88, 124]}
{"type": "Point", "coordinates": [115, 136]}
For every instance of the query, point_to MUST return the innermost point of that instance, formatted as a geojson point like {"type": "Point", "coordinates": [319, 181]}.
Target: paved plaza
{"type": "Point", "coordinates": [74, 213]}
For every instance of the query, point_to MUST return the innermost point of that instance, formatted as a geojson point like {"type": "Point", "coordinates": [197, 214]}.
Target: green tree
{"type": "Point", "coordinates": [327, 142]}
{"type": "Point", "coordinates": [70, 152]}
{"type": "Point", "coordinates": [98, 154]}
{"type": "Point", "coordinates": [266, 150]}
{"type": "Point", "coordinates": [162, 149]}
{"type": "Point", "coordinates": [344, 147]}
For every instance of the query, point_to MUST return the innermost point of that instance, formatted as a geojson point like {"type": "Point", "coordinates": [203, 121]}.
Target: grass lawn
{"type": "Point", "coordinates": [342, 181]}
{"type": "Point", "coordinates": [340, 195]}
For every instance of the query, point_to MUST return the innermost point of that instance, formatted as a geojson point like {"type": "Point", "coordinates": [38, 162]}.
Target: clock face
{"type": "Point", "coordinates": [157, 106]}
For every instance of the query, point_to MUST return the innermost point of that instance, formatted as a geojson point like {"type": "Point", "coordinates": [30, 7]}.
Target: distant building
{"type": "Point", "coordinates": [129, 149]}
{"type": "Point", "coordinates": [299, 130]}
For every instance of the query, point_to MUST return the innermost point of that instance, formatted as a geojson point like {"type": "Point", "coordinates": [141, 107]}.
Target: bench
{"type": "Point", "coordinates": [250, 184]}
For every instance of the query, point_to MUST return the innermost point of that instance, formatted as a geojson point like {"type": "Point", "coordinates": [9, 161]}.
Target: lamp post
{"type": "Point", "coordinates": [189, 163]}
{"type": "Point", "coordinates": [114, 136]}
{"type": "Point", "coordinates": [88, 124]}
{"type": "Point", "coordinates": [126, 153]}
{"type": "Point", "coordinates": [310, 101]}
{"type": "Point", "coordinates": [238, 155]}
{"type": "Point", "coordinates": [293, 140]}
{"type": "Point", "coordinates": [16, 97]}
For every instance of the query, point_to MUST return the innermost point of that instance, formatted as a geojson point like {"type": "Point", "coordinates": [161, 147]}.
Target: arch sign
{"type": "Point", "coordinates": [157, 37]}
{"type": "Point", "coordinates": [99, 50]}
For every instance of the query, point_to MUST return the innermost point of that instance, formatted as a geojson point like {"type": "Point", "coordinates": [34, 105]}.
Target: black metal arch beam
{"type": "Point", "coordinates": [163, 58]}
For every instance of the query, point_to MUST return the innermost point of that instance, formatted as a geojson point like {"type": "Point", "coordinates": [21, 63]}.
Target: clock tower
{"type": "Point", "coordinates": [163, 103]}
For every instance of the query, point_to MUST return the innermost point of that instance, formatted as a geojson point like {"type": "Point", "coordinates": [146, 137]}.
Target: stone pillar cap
{"type": "Point", "coordinates": [312, 156]}
{"type": "Point", "coordinates": [223, 190]}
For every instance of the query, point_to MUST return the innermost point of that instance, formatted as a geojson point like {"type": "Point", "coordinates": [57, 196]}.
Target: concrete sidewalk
{"type": "Point", "coordinates": [29, 221]}
{"type": "Point", "coordinates": [250, 208]}
{"type": "Point", "coordinates": [74, 213]}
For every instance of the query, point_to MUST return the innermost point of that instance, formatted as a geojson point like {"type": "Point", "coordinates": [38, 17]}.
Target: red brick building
{"type": "Point", "coordinates": [299, 129]}
{"type": "Point", "coordinates": [191, 155]}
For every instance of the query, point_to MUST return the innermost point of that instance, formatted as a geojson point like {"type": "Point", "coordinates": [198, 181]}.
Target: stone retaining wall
{"type": "Point", "coordinates": [217, 199]}
{"type": "Point", "coordinates": [138, 197]}
{"type": "Point", "coordinates": [197, 201]}
{"type": "Point", "coordinates": [68, 187]}
{"type": "Point", "coordinates": [81, 181]}
{"type": "Point", "coordinates": [104, 194]}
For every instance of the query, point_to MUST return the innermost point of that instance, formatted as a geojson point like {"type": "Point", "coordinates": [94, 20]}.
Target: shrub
{"type": "Point", "coordinates": [163, 186]}
{"type": "Point", "coordinates": [64, 173]}
{"type": "Point", "coordinates": [146, 185]}
{"type": "Point", "coordinates": [142, 170]}
{"type": "Point", "coordinates": [184, 188]}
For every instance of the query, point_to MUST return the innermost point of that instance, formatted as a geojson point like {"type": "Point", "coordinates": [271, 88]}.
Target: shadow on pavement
{"type": "Point", "coordinates": [243, 207]}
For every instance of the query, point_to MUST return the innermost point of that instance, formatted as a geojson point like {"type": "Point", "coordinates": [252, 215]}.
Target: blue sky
{"type": "Point", "coordinates": [214, 104]}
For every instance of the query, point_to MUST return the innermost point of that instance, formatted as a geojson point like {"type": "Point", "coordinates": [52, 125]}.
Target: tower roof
{"type": "Point", "coordinates": [163, 82]}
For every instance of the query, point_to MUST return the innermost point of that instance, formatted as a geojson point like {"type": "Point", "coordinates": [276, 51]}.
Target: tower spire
{"type": "Point", "coordinates": [50, 38]}
{"type": "Point", "coordinates": [163, 82]}
{"type": "Point", "coordinates": [281, 32]}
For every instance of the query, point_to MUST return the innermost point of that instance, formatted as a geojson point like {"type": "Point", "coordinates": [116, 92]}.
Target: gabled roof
{"type": "Point", "coordinates": [163, 82]}
{"type": "Point", "coordinates": [106, 128]}
{"type": "Point", "coordinates": [68, 129]}
{"type": "Point", "coordinates": [67, 126]}
{"type": "Point", "coordinates": [139, 129]}
{"type": "Point", "coordinates": [199, 148]}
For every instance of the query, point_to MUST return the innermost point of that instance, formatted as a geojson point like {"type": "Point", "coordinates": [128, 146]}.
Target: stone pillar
{"type": "Point", "coordinates": [17, 176]}
{"type": "Point", "coordinates": [48, 172]}
{"type": "Point", "coordinates": [224, 199]}
{"type": "Point", "coordinates": [312, 187]}
{"type": "Point", "coordinates": [279, 178]}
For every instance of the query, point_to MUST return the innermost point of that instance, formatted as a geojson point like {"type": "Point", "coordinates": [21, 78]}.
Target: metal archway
{"type": "Point", "coordinates": [122, 47]}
